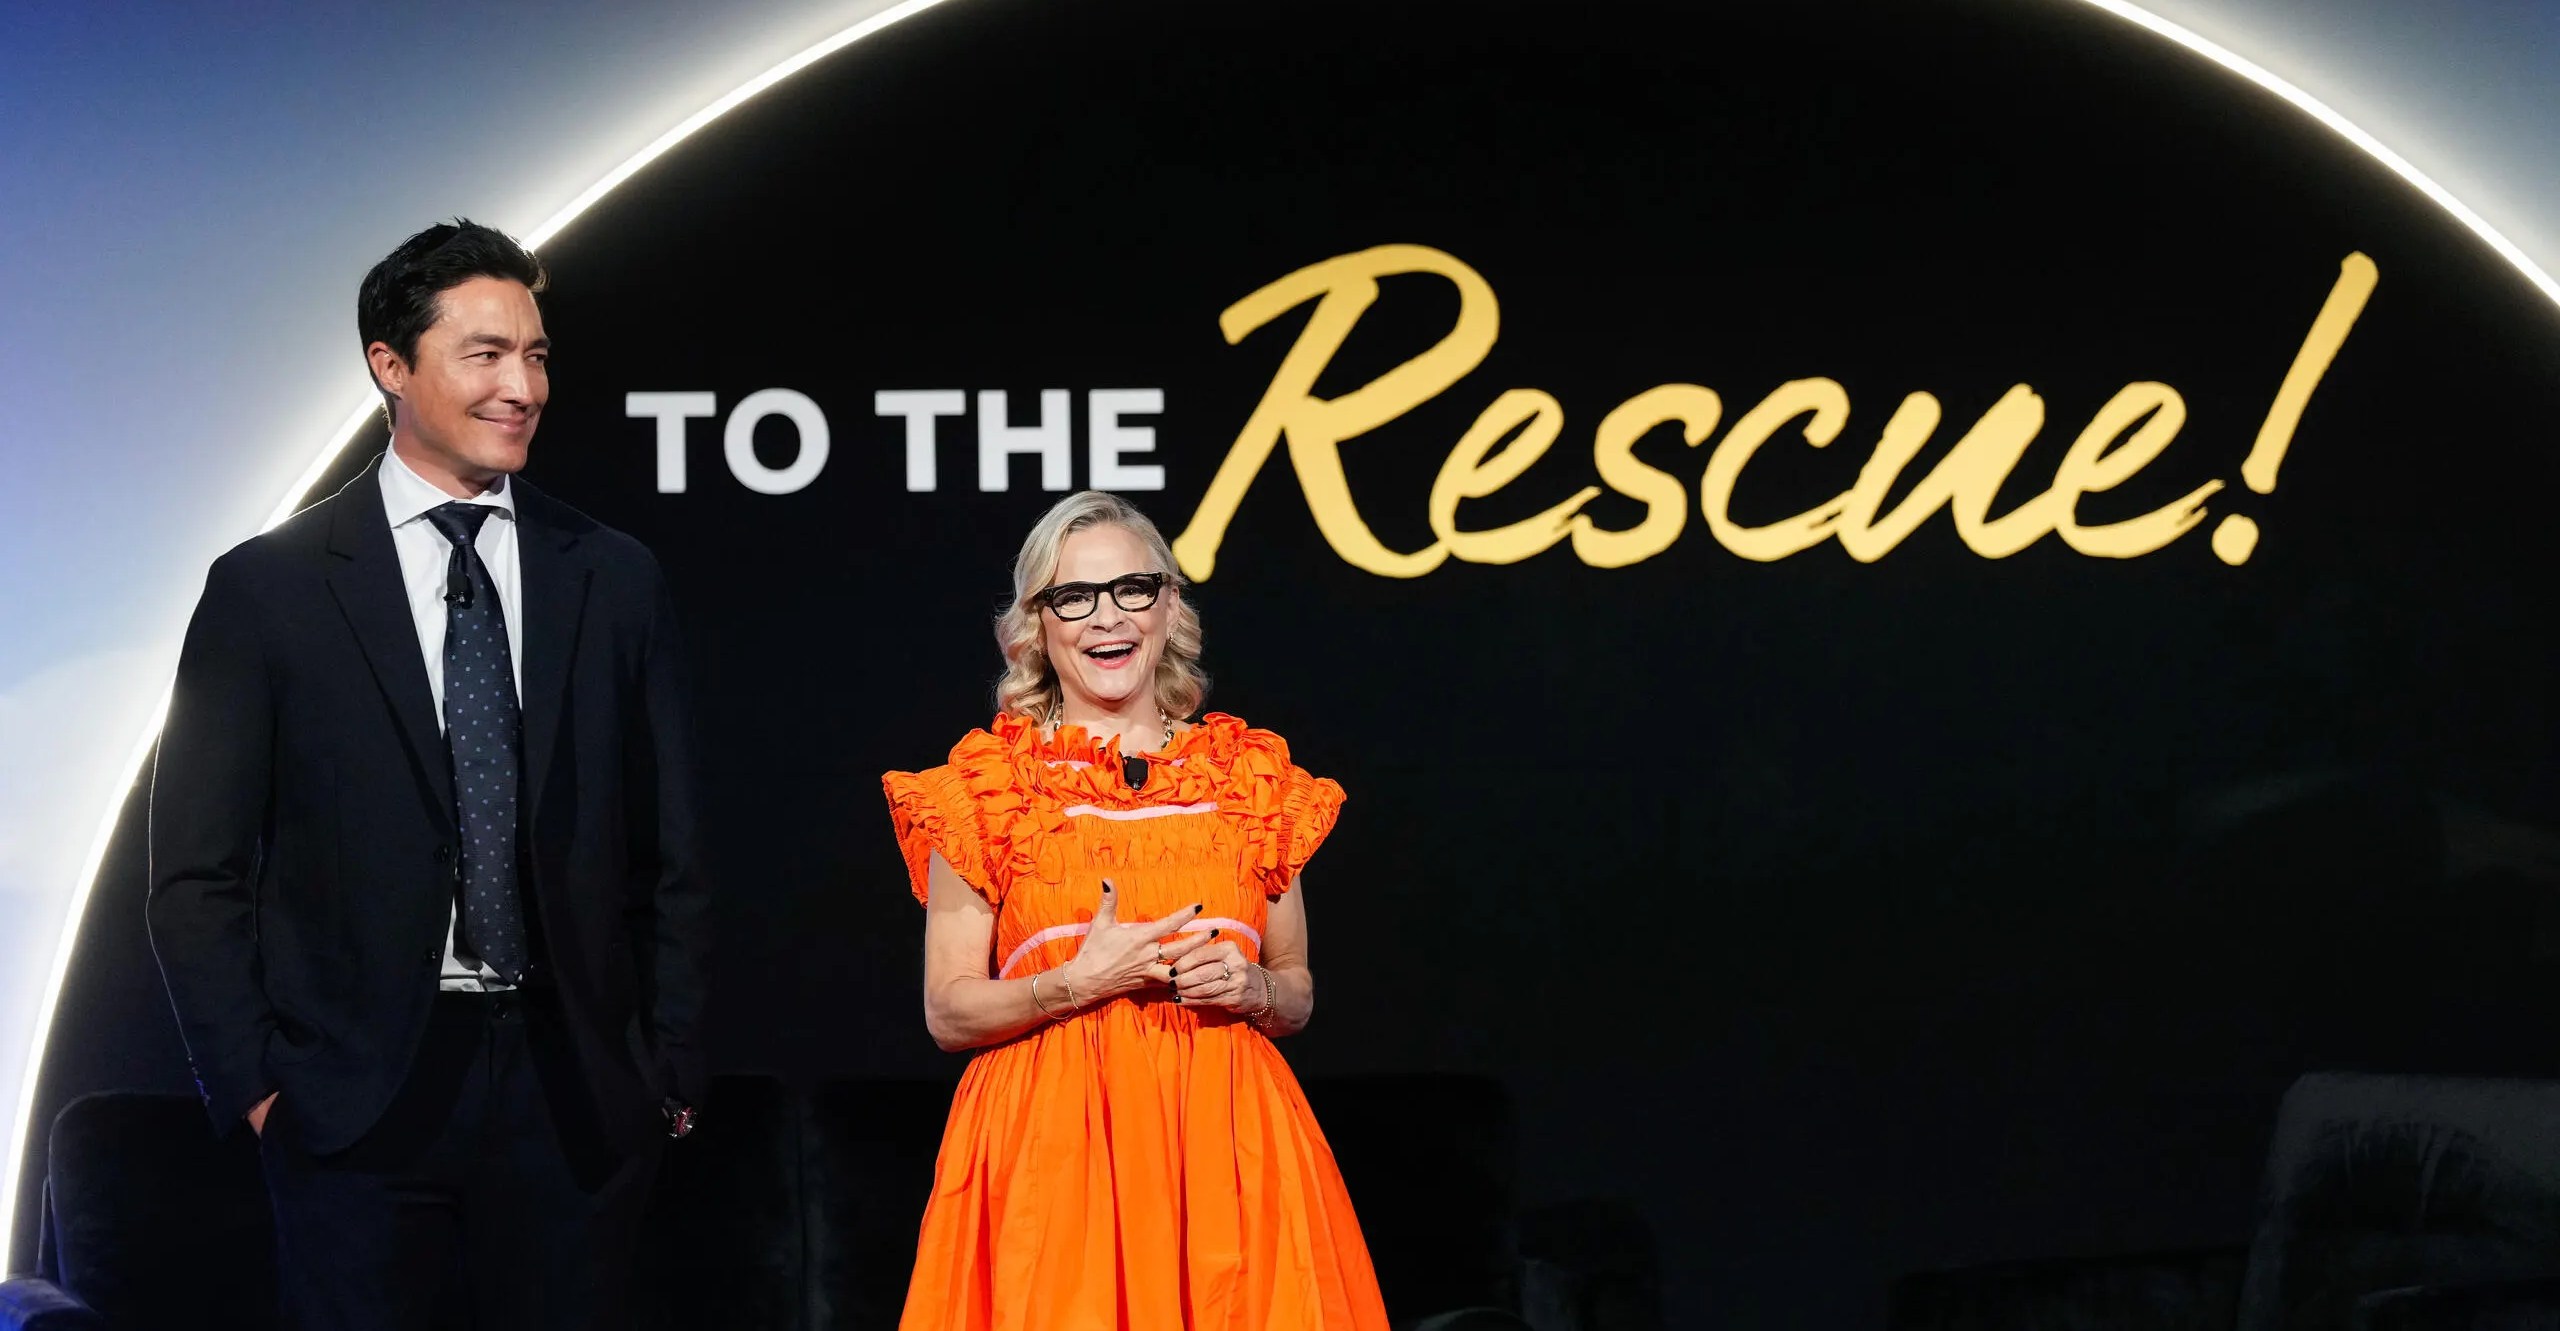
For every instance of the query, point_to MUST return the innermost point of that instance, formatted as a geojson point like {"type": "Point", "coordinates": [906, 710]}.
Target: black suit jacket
{"type": "Point", "coordinates": [302, 821]}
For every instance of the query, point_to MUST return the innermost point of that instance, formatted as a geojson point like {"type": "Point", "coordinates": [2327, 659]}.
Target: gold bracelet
{"type": "Point", "coordinates": [1261, 1016]}
{"type": "Point", "coordinates": [1044, 1008]}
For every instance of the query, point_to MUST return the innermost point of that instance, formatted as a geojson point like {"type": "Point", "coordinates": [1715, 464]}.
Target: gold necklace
{"type": "Point", "coordinates": [1058, 714]}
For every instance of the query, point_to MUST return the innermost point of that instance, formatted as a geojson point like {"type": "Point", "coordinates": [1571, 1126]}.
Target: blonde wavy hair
{"type": "Point", "coordinates": [1030, 685]}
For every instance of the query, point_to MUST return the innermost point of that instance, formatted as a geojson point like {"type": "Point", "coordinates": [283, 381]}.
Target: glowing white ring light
{"type": "Point", "coordinates": [11, 1169]}
{"type": "Point", "coordinates": [2344, 128]}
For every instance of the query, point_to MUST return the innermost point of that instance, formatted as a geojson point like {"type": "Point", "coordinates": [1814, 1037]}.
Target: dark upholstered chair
{"type": "Point", "coordinates": [2390, 1204]}
{"type": "Point", "coordinates": [2388, 1183]}
{"type": "Point", "coordinates": [149, 1223]}
{"type": "Point", "coordinates": [868, 1170]}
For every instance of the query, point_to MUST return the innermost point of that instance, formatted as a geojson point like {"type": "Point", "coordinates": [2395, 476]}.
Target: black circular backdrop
{"type": "Point", "coordinates": [1850, 918]}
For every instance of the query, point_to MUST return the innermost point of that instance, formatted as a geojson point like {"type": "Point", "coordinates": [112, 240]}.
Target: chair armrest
{"type": "Point", "coordinates": [2187, 1290]}
{"type": "Point", "coordinates": [33, 1303]}
{"type": "Point", "coordinates": [2502, 1305]}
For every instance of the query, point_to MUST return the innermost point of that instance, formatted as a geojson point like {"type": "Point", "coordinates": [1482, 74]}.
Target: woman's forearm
{"type": "Point", "coordinates": [1293, 999]}
{"type": "Point", "coordinates": [968, 1011]}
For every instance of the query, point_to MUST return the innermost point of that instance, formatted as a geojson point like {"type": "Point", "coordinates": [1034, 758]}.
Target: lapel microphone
{"type": "Point", "coordinates": [1134, 771]}
{"type": "Point", "coordinates": [457, 583]}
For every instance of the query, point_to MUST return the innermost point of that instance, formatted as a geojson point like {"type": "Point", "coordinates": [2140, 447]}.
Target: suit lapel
{"type": "Point", "coordinates": [555, 600]}
{"type": "Point", "coordinates": [375, 600]}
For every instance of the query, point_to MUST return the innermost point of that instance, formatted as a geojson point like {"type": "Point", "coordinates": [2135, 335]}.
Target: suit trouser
{"type": "Point", "coordinates": [468, 1204]}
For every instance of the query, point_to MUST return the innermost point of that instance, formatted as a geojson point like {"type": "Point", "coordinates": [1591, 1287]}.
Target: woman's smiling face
{"type": "Point", "coordinates": [1106, 661]}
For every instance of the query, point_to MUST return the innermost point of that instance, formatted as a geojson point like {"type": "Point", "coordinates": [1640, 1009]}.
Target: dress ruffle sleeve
{"type": "Point", "coordinates": [1291, 810]}
{"type": "Point", "coordinates": [931, 812]}
{"type": "Point", "coordinates": [1308, 807]}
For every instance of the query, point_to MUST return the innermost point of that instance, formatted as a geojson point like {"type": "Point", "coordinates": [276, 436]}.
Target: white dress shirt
{"type": "Point", "coordinates": [424, 552]}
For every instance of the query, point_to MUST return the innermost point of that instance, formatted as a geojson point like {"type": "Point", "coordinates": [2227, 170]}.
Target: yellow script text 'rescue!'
{"type": "Point", "coordinates": [2126, 435]}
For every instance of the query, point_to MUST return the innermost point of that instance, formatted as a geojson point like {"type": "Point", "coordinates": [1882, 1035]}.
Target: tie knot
{"type": "Point", "coordinates": [460, 522]}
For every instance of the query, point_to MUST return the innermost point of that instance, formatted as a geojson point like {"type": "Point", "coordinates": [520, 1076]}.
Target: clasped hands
{"type": "Point", "coordinates": [1202, 969]}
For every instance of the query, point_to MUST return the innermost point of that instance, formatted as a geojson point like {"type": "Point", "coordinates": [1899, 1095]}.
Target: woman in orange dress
{"type": "Point", "coordinates": [1112, 917]}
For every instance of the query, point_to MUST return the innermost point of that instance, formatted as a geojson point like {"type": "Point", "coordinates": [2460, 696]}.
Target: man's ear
{"type": "Point", "coordinates": [389, 371]}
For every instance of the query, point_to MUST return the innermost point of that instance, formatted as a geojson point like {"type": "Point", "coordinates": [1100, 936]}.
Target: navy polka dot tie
{"type": "Point", "coordinates": [481, 727]}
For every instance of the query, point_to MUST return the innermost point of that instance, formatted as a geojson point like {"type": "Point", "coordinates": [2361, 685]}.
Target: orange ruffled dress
{"type": "Point", "coordinates": [1140, 1165]}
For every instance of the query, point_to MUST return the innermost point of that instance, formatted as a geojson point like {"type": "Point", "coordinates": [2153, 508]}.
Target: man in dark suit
{"type": "Point", "coordinates": [424, 880]}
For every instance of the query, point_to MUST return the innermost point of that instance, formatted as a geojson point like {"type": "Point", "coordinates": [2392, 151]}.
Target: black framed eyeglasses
{"type": "Point", "coordinates": [1078, 600]}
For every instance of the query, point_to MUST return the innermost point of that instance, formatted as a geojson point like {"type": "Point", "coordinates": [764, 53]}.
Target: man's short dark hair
{"type": "Point", "coordinates": [399, 298]}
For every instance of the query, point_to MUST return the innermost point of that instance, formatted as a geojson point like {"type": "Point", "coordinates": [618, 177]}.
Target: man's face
{"type": "Point", "coordinates": [470, 402]}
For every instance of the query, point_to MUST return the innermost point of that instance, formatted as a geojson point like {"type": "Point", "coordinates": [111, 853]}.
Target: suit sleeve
{"type": "Point", "coordinates": [674, 942]}
{"type": "Point", "coordinates": [209, 793]}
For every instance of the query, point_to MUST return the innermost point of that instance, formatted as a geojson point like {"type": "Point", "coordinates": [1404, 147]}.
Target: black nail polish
{"type": "Point", "coordinates": [1198, 906]}
{"type": "Point", "coordinates": [1213, 934]}
{"type": "Point", "coordinates": [1177, 995]}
